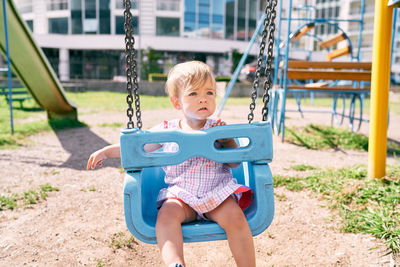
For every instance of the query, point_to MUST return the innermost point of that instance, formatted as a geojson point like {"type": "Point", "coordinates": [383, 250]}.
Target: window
{"type": "Point", "coordinates": [322, 29]}
{"type": "Point", "coordinates": [76, 16]}
{"type": "Point", "coordinates": [90, 23]}
{"type": "Point", "coordinates": [217, 23]}
{"type": "Point", "coordinates": [252, 18]}
{"type": "Point", "coordinates": [190, 16]}
{"type": "Point", "coordinates": [53, 56]}
{"type": "Point", "coordinates": [99, 64]}
{"type": "Point", "coordinates": [167, 26]}
{"type": "Point", "coordinates": [330, 12]}
{"type": "Point", "coordinates": [58, 25]}
{"type": "Point", "coordinates": [90, 9]}
{"type": "Point", "coordinates": [241, 20]}
{"type": "Point", "coordinates": [57, 5]}
{"type": "Point", "coordinates": [119, 25]}
{"type": "Point", "coordinates": [229, 19]}
{"type": "Point", "coordinates": [30, 24]}
{"type": "Point", "coordinates": [104, 17]}
{"type": "Point", "coordinates": [204, 18]}
{"type": "Point", "coordinates": [169, 5]}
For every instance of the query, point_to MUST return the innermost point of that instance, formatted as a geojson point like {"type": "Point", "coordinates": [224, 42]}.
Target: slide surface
{"type": "Point", "coordinates": [30, 64]}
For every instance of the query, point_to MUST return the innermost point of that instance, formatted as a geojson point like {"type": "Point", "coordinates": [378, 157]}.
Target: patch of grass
{"type": "Point", "coordinates": [99, 262]}
{"type": "Point", "coordinates": [302, 167]}
{"type": "Point", "coordinates": [8, 202]}
{"type": "Point", "coordinates": [115, 101]}
{"type": "Point", "coordinates": [111, 125]}
{"type": "Point", "coordinates": [21, 131]}
{"type": "Point", "coordinates": [27, 198]}
{"type": "Point", "coordinates": [292, 183]}
{"type": "Point", "coordinates": [365, 205]}
{"type": "Point", "coordinates": [317, 137]}
{"type": "Point", "coordinates": [320, 137]}
{"type": "Point", "coordinates": [119, 240]}
{"type": "Point", "coordinates": [92, 189]}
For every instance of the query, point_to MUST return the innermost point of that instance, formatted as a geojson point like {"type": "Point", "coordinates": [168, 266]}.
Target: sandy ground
{"type": "Point", "coordinates": [75, 226]}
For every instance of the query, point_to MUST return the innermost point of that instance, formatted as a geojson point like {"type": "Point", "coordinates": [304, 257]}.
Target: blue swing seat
{"type": "Point", "coordinates": [144, 176]}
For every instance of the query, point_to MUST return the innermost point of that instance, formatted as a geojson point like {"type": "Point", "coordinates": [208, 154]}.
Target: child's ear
{"type": "Point", "coordinates": [175, 102]}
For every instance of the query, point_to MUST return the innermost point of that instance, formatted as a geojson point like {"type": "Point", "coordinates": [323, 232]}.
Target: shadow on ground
{"type": "Point", "coordinates": [80, 143]}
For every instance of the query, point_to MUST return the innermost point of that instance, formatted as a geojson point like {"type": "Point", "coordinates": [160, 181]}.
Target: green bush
{"type": "Point", "coordinates": [224, 79]}
{"type": "Point", "coordinates": [157, 77]}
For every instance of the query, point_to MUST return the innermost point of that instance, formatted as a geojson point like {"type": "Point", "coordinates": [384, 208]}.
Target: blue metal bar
{"type": "Point", "coordinates": [281, 126]}
{"type": "Point", "coordinates": [393, 37]}
{"type": "Point", "coordinates": [240, 66]}
{"type": "Point", "coordinates": [8, 67]}
{"type": "Point", "coordinates": [277, 42]}
{"type": "Point", "coordinates": [360, 29]}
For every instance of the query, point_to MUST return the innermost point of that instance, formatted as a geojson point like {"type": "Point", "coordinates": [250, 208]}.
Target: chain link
{"type": "Point", "coordinates": [268, 31]}
{"type": "Point", "coordinates": [131, 66]}
{"type": "Point", "coordinates": [270, 52]}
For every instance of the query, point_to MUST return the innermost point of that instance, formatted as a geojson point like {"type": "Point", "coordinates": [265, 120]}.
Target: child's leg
{"type": "Point", "coordinates": [231, 218]}
{"type": "Point", "coordinates": [169, 231]}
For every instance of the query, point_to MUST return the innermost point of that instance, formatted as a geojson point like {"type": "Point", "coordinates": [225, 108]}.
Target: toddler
{"type": "Point", "coordinates": [198, 189]}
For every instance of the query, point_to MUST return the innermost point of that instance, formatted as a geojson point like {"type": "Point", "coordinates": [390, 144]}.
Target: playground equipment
{"type": "Point", "coordinates": [380, 80]}
{"type": "Point", "coordinates": [8, 69]}
{"type": "Point", "coordinates": [30, 65]}
{"type": "Point", "coordinates": [144, 177]}
{"type": "Point", "coordinates": [337, 46]}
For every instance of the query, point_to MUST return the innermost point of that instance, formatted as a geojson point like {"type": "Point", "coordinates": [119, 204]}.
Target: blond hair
{"type": "Point", "coordinates": [184, 76]}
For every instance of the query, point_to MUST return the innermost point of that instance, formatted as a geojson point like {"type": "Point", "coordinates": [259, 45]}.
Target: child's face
{"type": "Point", "coordinates": [197, 103]}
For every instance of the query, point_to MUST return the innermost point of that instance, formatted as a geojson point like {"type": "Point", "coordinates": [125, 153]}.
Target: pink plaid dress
{"type": "Point", "coordinates": [201, 183]}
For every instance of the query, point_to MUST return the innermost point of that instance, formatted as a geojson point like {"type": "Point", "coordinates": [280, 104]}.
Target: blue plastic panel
{"type": "Point", "coordinates": [142, 187]}
{"type": "Point", "coordinates": [196, 143]}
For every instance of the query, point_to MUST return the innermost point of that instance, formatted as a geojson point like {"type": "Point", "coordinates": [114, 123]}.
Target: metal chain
{"type": "Point", "coordinates": [131, 75]}
{"type": "Point", "coordinates": [268, 25]}
{"type": "Point", "coordinates": [270, 52]}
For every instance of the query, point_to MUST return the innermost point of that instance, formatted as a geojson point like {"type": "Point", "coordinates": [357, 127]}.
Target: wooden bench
{"type": "Point", "coordinates": [325, 72]}
{"type": "Point", "coordinates": [18, 94]}
{"type": "Point", "coordinates": [325, 77]}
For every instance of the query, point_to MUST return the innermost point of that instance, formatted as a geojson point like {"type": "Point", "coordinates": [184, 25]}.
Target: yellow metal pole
{"type": "Point", "coordinates": [380, 89]}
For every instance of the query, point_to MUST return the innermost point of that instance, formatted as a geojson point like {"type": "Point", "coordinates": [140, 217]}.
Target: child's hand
{"type": "Point", "coordinates": [225, 142]}
{"type": "Point", "coordinates": [96, 159]}
{"type": "Point", "coordinates": [111, 151]}
{"type": "Point", "coordinates": [218, 123]}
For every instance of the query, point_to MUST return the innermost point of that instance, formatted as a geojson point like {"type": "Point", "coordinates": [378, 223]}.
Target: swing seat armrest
{"type": "Point", "coordinates": [197, 144]}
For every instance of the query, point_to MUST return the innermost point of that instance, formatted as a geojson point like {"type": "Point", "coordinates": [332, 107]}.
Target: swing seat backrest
{"type": "Point", "coordinates": [145, 177]}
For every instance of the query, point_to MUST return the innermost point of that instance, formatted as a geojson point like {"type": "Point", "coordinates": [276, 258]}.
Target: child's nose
{"type": "Point", "coordinates": [203, 98]}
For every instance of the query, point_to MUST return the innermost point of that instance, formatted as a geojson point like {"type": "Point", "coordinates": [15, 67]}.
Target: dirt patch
{"type": "Point", "coordinates": [78, 225]}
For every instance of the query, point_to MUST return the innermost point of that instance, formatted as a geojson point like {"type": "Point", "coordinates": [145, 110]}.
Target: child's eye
{"type": "Point", "coordinates": [210, 93]}
{"type": "Point", "coordinates": [192, 93]}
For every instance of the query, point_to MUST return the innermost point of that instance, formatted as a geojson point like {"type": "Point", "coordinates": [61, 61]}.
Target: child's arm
{"type": "Point", "coordinates": [227, 142]}
{"type": "Point", "coordinates": [97, 157]}
{"type": "Point", "coordinates": [112, 151]}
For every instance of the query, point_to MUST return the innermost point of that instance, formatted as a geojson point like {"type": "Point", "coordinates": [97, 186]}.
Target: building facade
{"type": "Point", "coordinates": [84, 39]}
